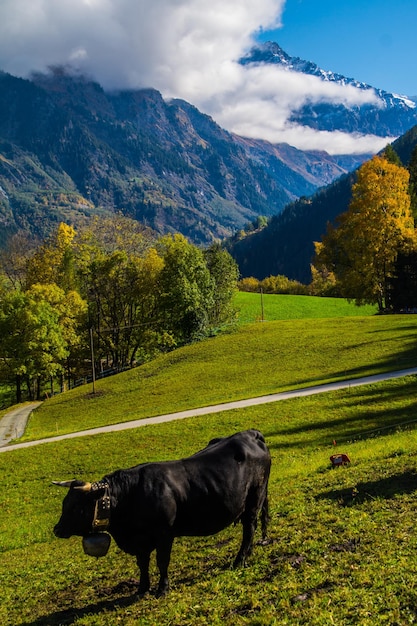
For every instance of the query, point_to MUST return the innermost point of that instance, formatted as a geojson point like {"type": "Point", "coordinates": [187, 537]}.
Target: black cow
{"type": "Point", "coordinates": [145, 507]}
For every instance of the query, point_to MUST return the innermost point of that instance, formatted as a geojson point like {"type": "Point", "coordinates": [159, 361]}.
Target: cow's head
{"type": "Point", "coordinates": [79, 508]}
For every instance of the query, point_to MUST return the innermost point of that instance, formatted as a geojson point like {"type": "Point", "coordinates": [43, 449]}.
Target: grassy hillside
{"type": "Point", "coordinates": [254, 360]}
{"type": "Point", "coordinates": [253, 307]}
{"type": "Point", "coordinates": [343, 545]}
{"type": "Point", "coordinates": [343, 542]}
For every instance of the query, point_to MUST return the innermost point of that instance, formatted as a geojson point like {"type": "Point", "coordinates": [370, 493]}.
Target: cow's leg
{"type": "Point", "coordinates": [163, 556]}
{"type": "Point", "coordinates": [249, 522]}
{"type": "Point", "coordinates": [142, 559]}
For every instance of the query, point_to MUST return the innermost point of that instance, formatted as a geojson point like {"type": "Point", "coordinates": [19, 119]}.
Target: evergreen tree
{"type": "Point", "coordinates": [402, 292]}
{"type": "Point", "coordinates": [412, 168]}
{"type": "Point", "coordinates": [391, 156]}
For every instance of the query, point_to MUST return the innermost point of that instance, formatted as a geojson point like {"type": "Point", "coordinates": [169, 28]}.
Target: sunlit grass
{"type": "Point", "coordinates": [255, 307]}
{"type": "Point", "coordinates": [255, 360]}
{"type": "Point", "coordinates": [343, 545]}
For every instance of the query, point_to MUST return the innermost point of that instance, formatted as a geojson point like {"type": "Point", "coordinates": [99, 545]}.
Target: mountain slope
{"type": "Point", "coordinates": [285, 245]}
{"type": "Point", "coordinates": [69, 150]}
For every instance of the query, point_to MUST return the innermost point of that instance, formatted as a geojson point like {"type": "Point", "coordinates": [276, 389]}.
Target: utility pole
{"type": "Point", "coordinates": [93, 368]}
{"type": "Point", "coordinates": [262, 306]}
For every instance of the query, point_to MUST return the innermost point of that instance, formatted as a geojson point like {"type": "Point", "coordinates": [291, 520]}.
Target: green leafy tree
{"type": "Point", "coordinates": [32, 343]}
{"type": "Point", "coordinates": [149, 337]}
{"type": "Point", "coordinates": [72, 317]}
{"type": "Point", "coordinates": [186, 289]}
{"type": "Point", "coordinates": [121, 291]}
{"type": "Point", "coordinates": [362, 249]}
{"type": "Point", "coordinates": [225, 273]}
{"type": "Point", "coordinates": [112, 305]}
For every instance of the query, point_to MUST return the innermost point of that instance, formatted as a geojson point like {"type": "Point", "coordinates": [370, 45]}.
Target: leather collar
{"type": "Point", "coordinates": [101, 520]}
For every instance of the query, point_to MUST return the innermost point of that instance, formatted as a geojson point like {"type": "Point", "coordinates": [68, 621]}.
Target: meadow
{"type": "Point", "coordinates": [343, 542]}
{"type": "Point", "coordinates": [250, 360]}
{"type": "Point", "coordinates": [255, 307]}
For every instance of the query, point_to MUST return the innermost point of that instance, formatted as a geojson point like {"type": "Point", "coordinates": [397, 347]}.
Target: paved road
{"type": "Point", "coordinates": [217, 408]}
{"type": "Point", "coordinates": [13, 424]}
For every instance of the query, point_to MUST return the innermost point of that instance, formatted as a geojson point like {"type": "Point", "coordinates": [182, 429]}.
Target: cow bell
{"type": "Point", "coordinates": [96, 544]}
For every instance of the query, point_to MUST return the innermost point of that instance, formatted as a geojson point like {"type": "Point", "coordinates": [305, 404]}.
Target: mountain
{"type": "Point", "coordinates": [69, 150]}
{"type": "Point", "coordinates": [391, 116]}
{"type": "Point", "coordinates": [285, 245]}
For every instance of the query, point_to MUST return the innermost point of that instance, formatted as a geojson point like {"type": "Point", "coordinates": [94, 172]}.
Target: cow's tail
{"type": "Point", "coordinates": [265, 518]}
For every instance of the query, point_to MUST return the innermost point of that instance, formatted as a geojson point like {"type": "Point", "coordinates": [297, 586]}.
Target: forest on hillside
{"type": "Point", "coordinates": [110, 296]}
{"type": "Point", "coordinates": [284, 243]}
{"type": "Point", "coordinates": [369, 254]}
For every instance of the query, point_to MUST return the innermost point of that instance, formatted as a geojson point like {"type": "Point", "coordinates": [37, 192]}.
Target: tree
{"type": "Point", "coordinates": [225, 273]}
{"type": "Point", "coordinates": [283, 285]}
{"type": "Point", "coordinates": [115, 233]}
{"type": "Point", "coordinates": [32, 343]}
{"type": "Point", "coordinates": [122, 299]}
{"type": "Point", "coordinates": [186, 289]}
{"type": "Point", "coordinates": [71, 310]}
{"type": "Point", "coordinates": [391, 156]}
{"type": "Point", "coordinates": [412, 168]}
{"type": "Point", "coordinates": [403, 283]}
{"type": "Point", "coordinates": [361, 250]}
{"type": "Point", "coordinates": [15, 257]}
{"type": "Point", "coordinates": [53, 261]}
{"type": "Point", "coordinates": [323, 283]}
{"type": "Point", "coordinates": [149, 337]}
{"type": "Point", "coordinates": [250, 284]}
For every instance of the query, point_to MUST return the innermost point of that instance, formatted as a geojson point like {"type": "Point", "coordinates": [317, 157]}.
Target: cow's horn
{"type": "Point", "coordinates": [63, 483]}
{"type": "Point", "coordinates": [84, 487]}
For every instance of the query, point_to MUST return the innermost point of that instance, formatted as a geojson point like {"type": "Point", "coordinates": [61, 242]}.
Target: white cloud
{"type": "Point", "coordinates": [185, 48]}
{"type": "Point", "coordinates": [261, 105]}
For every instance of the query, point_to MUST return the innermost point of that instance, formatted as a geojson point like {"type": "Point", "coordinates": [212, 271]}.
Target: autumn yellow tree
{"type": "Point", "coordinates": [362, 248]}
{"type": "Point", "coordinates": [53, 260]}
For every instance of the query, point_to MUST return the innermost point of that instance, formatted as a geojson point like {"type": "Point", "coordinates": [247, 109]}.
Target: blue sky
{"type": "Point", "coordinates": [190, 49]}
{"type": "Point", "coordinates": [374, 41]}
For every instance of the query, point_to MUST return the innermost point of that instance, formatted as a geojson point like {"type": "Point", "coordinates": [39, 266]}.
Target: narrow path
{"type": "Point", "coordinates": [13, 424]}
{"type": "Point", "coordinates": [217, 408]}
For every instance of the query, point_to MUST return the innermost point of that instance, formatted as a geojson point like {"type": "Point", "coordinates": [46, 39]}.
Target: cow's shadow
{"type": "Point", "coordinates": [71, 615]}
{"type": "Point", "coordinates": [127, 592]}
{"type": "Point", "coordinates": [359, 493]}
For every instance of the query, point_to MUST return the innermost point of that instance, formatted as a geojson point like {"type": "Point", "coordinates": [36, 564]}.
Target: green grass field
{"type": "Point", "coordinates": [343, 542]}
{"type": "Point", "coordinates": [254, 307]}
{"type": "Point", "coordinates": [256, 359]}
